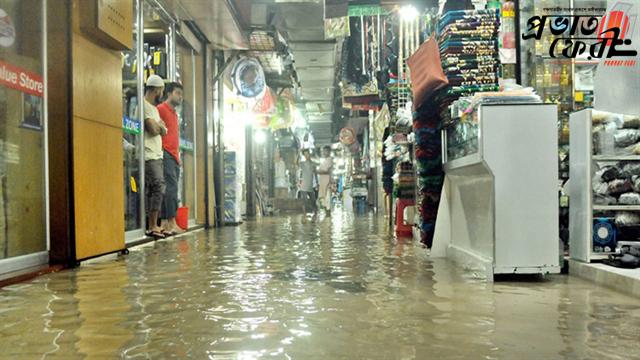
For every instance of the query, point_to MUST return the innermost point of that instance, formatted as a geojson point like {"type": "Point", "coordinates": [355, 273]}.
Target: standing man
{"type": "Point", "coordinates": [154, 129]}
{"type": "Point", "coordinates": [171, 163]}
{"type": "Point", "coordinates": [324, 179]}
{"type": "Point", "coordinates": [307, 177]}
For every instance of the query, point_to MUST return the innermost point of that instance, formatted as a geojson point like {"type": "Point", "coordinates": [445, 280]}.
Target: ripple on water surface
{"type": "Point", "coordinates": [339, 288]}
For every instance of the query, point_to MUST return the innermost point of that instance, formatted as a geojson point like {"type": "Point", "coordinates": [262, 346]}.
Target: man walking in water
{"type": "Point", "coordinates": [307, 177]}
{"type": "Point", "coordinates": [324, 179]}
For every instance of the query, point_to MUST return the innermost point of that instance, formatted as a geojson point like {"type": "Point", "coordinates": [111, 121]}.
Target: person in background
{"type": "Point", "coordinates": [306, 184]}
{"type": "Point", "coordinates": [324, 179]}
{"type": "Point", "coordinates": [171, 159]}
{"type": "Point", "coordinates": [154, 129]}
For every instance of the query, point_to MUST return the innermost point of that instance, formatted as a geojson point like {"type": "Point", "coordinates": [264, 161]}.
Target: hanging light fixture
{"type": "Point", "coordinates": [409, 13]}
{"type": "Point", "coordinates": [260, 137]}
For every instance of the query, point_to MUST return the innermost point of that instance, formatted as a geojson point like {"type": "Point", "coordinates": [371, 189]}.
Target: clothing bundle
{"type": "Point", "coordinates": [387, 166]}
{"type": "Point", "coordinates": [617, 184]}
{"type": "Point", "coordinates": [404, 181]}
{"type": "Point", "coordinates": [430, 175]}
{"type": "Point", "coordinates": [468, 41]}
{"type": "Point", "coordinates": [616, 135]}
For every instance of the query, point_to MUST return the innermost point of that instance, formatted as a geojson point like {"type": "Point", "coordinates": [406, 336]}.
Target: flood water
{"type": "Point", "coordinates": [284, 288]}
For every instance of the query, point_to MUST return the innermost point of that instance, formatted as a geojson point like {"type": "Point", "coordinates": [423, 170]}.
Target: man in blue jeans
{"type": "Point", "coordinates": [171, 160]}
{"type": "Point", "coordinates": [307, 181]}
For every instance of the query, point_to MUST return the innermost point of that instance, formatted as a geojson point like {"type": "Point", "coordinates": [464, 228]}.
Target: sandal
{"type": "Point", "coordinates": [168, 233]}
{"type": "Point", "coordinates": [155, 234]}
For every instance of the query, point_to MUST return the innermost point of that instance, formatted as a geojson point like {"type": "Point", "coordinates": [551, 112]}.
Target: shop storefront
{"type": "Point", "coordinates": [168, 49]}
{"type": "Point", "coordinates": [23, 135]}
{"type": "Point", "coordinates": [185, 72]}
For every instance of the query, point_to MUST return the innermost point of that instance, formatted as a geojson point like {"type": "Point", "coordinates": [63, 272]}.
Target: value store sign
{"type": "Point", "coordinates": [22, 80]}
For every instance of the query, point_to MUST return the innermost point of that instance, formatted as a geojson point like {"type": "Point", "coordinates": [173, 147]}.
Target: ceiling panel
{"type": "Point", "coordinates": [319, 106]}
{"type": "Point", "coordinates": [314, 58]}
{"type": "Point", "coordinates": [302, 16]}
{"type": "Point", "coordinates": [306, 34]}
{"type": "Point", "coordinates": [313, 46]}
{"type": "Point", "coordinates": [216, 20]}
{"type": "Point", "coordinates": [324, 83]}
{"type": "Point", "coordinates": [311, 94]}
{"type": "Point", "coordinates": [314, 61]}
{"type": "Point", "coordinates": [315, 118]}
{"type": "Point", "coordinates": [319, 74]}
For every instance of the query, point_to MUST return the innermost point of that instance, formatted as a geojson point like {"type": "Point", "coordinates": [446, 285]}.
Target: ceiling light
{"type": "Point", "coordinates": [260, 137]}
{"type": "Point", "coordinates": [299, 120]}
{"type": "Point", "coordinates": [408, 13]}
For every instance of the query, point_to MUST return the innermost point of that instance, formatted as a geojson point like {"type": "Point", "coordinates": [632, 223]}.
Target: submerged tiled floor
{"type": "Point", "coordinates": [341, 288]}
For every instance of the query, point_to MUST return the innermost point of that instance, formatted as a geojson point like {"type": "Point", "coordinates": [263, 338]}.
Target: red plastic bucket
{"type": "Point", "coordinates": [182, 217]}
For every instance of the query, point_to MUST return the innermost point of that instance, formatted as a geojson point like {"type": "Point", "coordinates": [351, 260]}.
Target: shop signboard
{"type": "Point", "coordinates": [22, 80]}
{"type": "Point", "coordinates": [131, 126]}
{"type": "Point", "coordinates": [186, 145]}
{"type": "Point", "coordinates": [612, 40]}
{"type": "Point", "coordinates": [367, 10]}
{"type": "Point", "coordinates": [110, 22]}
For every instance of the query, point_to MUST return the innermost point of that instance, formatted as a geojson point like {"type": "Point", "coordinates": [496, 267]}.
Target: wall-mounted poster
{"type": "Point", "coordinates": [32, 112]}
{"type": "Point", "coordinates": [7, 30]}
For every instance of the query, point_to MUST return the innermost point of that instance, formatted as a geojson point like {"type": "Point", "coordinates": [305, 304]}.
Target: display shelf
{"type": "Point", "coordinates": [601, 256]}
{"type": "Point", "coordinates": [515, 156]}
{"type": "Point", "coordinates": [583, 213]}
{"type": "Point", "coordinates": [616, 208]}
{"type": "Point", "coordinates": [616, 157]}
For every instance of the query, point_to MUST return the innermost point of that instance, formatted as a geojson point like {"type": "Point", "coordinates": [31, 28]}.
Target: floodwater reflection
{"type": "Point", "coordinates": [339, 288]}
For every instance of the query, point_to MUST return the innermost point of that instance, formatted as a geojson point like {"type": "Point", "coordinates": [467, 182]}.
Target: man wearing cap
{"type": "Point", "coordinates": [154, 129]}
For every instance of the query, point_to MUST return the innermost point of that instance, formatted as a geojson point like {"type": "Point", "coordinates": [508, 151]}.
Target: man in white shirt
{"type": "Point", "coordinates": [324, 179]}
{"type": "Point", "coordinates": [307, 180]}
{"type": "Point", "coordinates": [154, 129]}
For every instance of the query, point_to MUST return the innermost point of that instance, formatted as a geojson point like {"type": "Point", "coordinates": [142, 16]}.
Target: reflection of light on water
{"type": "Point", "coordinates": [47, 322]}
{"type": "Point", "coordinates": [242, 299]}
{"type": "Point", "coordinates": [300, 333]}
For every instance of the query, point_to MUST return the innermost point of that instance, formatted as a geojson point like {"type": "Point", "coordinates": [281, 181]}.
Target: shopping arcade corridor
{"type": "Point", "coordinates": [284, 287]}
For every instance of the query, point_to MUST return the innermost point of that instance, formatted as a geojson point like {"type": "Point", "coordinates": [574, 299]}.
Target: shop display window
{"type": "Point", "coordinates": [132, 135]}
{"type": "Point", "coordinates": [185, 64]}
{"type": "Point", "coordinates": [462, 139]}
{"type": "Point", "coordinates": [22, 121]}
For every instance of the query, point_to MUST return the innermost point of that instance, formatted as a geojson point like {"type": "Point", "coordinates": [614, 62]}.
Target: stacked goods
{"type": "Point", "coordinates": [405, 181]}
{"type": "Point", "coordinates": [468, 41]}
{"type": "Point", "coordinates": [231, 204]}
{"type": "Point", "coordinates": [387, 165]}
{"type": "Point", "coordinates": [468, 46]}
{"type": "Point", "coordinates": [427, 126]}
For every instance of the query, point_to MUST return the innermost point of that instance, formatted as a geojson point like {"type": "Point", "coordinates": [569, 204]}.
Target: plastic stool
{"type": "Point", "coordinates": [401, 228]}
